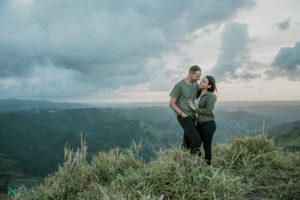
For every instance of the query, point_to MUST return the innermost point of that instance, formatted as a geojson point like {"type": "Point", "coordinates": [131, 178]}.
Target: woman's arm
{"type": "Point", "coordinates": [210, 104]}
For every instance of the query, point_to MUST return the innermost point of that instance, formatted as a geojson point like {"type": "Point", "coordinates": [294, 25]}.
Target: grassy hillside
{"type": "Point", "coordinates": [40, 148]}
{"type": "Point", "coordinates": [289, 139]}
{"type": "Point", "coordinates": [248, 168]}
{"type": "Point", "coordinates": [11, 173]}
{"type": "Point", "coordinates": [287, 135]}
{"type": "Point", "coordinates": [32, 142]}
{"type": "Point", "coordinates": [35, 140]}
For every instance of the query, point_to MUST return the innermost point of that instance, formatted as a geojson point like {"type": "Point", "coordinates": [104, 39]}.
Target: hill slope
{"type": "Point", "coordinates": [12, 173]}
{"type": "Point", "coordinates": [277, 130]}
{"type": "Point", "coordinates": [289, 139]}
{"type": "Point", "coordinates": [19, 105]}
{"type": "Point", "coordinates": [35, 139]}
{"type": "Point", "coordinates": [248, 168]}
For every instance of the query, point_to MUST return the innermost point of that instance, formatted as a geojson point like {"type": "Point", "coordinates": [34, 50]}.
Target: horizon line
{"type": "Point", "coordinates": [129, 102]}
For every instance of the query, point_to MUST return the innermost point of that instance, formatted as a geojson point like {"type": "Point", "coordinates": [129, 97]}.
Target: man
{"type": "Point", "coordinates": [183, 92]}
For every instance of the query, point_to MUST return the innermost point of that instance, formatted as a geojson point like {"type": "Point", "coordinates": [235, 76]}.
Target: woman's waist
{"type": "Point", "coordinates": [205, 118]}
{"type": "Point", "coordinates": [205, 122]}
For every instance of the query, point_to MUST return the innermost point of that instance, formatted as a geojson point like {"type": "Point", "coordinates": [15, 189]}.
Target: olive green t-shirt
{"type": "Point", "coordinates": [183, 93]}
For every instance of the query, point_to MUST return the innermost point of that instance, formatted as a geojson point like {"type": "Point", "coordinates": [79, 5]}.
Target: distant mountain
{"type": "Point", "coordinates": [238, 124]}
{"type": "Point", "coordinates": [93, 120]}
{"type": "Point", "coordinates": [228, 123]}
{"type": "Point", "coordinates": [18, 105]}
{"type": "Point", "coordinates": [279, 112]}
{"type": "Point", "coordinates": [287, 135]}
{"type": "Point", "coordinates": [289, 139]}
{"type": "Point", "coordinates": [277, 130]}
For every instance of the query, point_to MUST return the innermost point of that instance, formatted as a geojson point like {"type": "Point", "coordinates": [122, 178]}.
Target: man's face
{"type": "Point", "coordinates": [195, 76]}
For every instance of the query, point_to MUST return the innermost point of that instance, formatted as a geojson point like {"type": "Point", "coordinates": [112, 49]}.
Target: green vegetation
{"type": "Point", "coordinates": [289, 139]}
{"type": "Point", "coordinates": [32, 142]}
{"type": "Point", "coordinates": [248, 168]}
{"type": "Point", "coordinates": [11, 172]}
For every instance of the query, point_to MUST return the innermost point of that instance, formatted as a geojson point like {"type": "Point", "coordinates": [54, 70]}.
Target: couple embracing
{"type": "Point", "coordinates": [197, 121]}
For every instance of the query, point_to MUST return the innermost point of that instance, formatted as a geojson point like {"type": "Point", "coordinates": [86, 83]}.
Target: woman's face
{"type": "Point", "coordinates": [204, 83]}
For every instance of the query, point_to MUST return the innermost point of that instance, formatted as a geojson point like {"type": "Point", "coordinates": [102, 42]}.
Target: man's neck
{"type": "Point", "coordinates": [188, 81]}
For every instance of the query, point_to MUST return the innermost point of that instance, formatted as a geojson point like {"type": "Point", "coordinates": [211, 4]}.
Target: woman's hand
{"type": "Point", "coordinates": [191, 105]}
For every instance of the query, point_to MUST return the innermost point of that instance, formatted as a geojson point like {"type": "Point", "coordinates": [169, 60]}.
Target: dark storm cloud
{"type": "Point", "coordinates": [285, 24]}
{"type": "Point", "coordinates": [105, 43]}
{"type": "Point", "coordinates": [234, 59]}
{"type": "Point", "coordinates": [287, 63]}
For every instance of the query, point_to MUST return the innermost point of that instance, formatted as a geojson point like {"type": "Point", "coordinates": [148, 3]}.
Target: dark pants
{"type": "Point", "coordinates": [191, 138]}
{"type": "Point", "coordinates": [206, 131]}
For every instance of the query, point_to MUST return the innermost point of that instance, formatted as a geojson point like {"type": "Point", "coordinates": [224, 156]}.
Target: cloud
{"type": "Point", "coordinates": [234, 60]}
{"type": "Point", "coordinates": [286, 63]}
{"type": "Point", "coordinates": [284, 25]}
{"type": "Point", "coordinates": [59, 83]}
{"type": "Point", "coordinates": [105, 43]}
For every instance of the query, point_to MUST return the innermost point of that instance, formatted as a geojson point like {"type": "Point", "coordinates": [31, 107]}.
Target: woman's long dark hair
{"type": "Point", "coordinates": [212, 83]}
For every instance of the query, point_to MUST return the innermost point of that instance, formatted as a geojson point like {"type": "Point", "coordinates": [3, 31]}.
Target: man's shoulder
{"type": "Point", "coordinates": [177, 90]}
{"type": "Point", "coordinates": [180, 83]}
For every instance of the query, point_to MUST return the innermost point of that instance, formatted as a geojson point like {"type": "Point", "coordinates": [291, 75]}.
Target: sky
{"type": "Point", "coordinates": [136, 51]}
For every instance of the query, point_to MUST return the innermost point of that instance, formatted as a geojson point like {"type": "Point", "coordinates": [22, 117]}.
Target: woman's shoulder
{"type": "Point", "coordinates": [210, 95]}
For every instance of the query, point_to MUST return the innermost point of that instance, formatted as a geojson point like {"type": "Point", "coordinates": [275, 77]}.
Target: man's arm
{"type": "Point", "coordinates": [176, 109]}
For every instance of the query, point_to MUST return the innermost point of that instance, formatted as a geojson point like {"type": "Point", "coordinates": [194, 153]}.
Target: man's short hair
{"type": "Point", "coordinates": [193, 69]}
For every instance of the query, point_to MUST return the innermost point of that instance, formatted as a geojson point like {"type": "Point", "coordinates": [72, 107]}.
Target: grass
{"type": "Point", "coordinates": [247, 168]}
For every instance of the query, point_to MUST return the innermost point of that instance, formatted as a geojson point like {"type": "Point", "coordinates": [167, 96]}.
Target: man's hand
{"type": "Point", "coordinates": [177, 110]}
{"type": "Point", "coordinates": [183, 115]}
{"type": "Point", "coordinates": [191, 105]}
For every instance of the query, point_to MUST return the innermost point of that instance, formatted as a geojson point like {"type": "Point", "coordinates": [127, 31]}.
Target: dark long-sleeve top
{"type": "Point", "coordinates": [205, 108]}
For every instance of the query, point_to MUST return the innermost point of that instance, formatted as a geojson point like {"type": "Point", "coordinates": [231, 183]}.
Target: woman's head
{"type": "Point", "coordinates": [209, 83]}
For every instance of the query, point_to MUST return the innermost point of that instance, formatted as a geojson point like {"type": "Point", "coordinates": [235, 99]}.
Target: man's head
{"type": "Point", "coordinates": [194, 73]}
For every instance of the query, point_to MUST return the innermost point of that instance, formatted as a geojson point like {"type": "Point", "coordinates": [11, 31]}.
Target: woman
{"type": "Point", "coordinates": [206, 125]}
